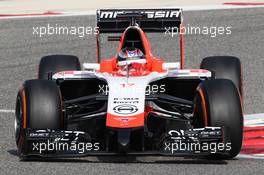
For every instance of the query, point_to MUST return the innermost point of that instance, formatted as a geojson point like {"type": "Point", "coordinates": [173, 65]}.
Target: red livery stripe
{"type": "Point", "coordinates": [244, 3]}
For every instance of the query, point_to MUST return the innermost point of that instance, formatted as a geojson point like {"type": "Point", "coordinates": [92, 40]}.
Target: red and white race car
{"type": "Point", "coordinates": [134, 102]}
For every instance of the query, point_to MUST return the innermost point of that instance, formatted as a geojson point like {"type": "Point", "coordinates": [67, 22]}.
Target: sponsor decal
{"type": "Point", "coordinates": [127, 119]}
{"type": "Point", "coordinates": [67, 135]}
{"type": "Point", "coordinates": [180, 134]}
{"type": "Point", "coordinates": [193, 134]}
{"type": "Point", "coordinates": [151, 14]}
{"type": "Point", "coordinates": [125, 109]}
{"type": "Point", "coordinates": [126, 100]}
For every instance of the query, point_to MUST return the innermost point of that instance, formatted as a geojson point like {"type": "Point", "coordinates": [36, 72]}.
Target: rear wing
{"type": "Point", "coordinates": [149, 20]}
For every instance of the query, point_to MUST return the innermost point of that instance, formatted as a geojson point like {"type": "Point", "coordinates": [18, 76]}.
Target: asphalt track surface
{"type": "Point", "coordinates": [20, 52]}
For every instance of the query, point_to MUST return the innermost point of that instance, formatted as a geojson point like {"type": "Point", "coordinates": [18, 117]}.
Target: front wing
{"type": "Point", "coordinates": [65, 143]}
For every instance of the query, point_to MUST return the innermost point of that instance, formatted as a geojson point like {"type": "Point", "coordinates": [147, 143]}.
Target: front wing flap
{"type": "Point", "coordinates": [58, 142]}
{"type": "Point", "coordinates": [208, 140]}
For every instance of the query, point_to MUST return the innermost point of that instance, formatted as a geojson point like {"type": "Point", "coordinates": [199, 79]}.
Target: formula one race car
{"type": "Point", "coordinates": [134, 102]}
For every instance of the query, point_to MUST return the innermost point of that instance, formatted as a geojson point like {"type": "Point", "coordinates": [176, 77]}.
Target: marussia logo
{"type": "Point", "coordinates": [125, 109]}
{"type": "Point", "coordinates": [150, 14]}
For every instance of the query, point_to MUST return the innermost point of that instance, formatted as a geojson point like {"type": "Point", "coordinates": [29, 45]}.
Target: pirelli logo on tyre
{"type": "Point", "coordinates": [125, 109]}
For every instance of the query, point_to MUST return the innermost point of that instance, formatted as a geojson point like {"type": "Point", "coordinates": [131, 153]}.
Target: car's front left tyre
{"type": "Point", "coordinates": [217, 104]}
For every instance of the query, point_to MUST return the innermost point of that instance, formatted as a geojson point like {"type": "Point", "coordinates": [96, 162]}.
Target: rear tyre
{"type": "Point", "coordinates": [57, 63]}
{"type": "Point", "coordinates": [38, 106]}
{"type": "Point", "coordinates": [217, 104]}
{"type": "Point", "coordinates": [225, 67]}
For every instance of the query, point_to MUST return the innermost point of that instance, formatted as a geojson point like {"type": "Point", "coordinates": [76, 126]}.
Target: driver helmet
{"type": "Point", "coordinates": [130, 53]}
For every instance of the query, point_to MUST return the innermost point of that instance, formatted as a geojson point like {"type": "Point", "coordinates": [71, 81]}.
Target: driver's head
{"type": "Point", "coordinates": [130, 53]}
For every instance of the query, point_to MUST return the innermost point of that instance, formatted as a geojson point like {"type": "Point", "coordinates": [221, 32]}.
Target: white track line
{"type": "Point", "coordinates": [254, 120]}
{"type": "Point", "coordinates": [7, 111]}
{"type": "Point", "coordinates": [93, 12]}
{"type": "Point", "coordinates": [66, 14]}
{"type": "Point", "coordinates": [216, 7]}
{"type": "Point", "coordinates": [251, 156]}
{"type": "Point", "coordinates": [254, 116]}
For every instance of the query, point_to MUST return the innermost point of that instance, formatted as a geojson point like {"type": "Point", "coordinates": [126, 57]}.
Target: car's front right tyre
{"type": "Point", "coordinates": [38, 106]}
